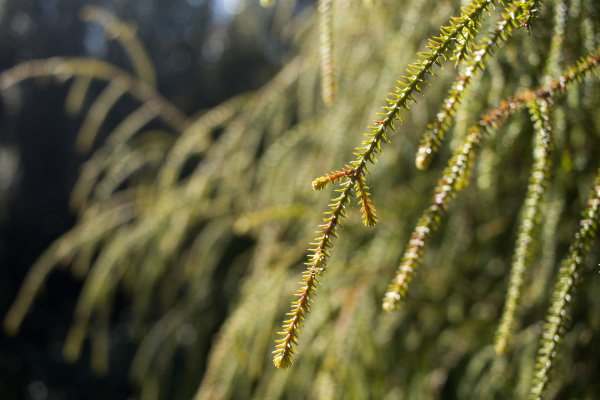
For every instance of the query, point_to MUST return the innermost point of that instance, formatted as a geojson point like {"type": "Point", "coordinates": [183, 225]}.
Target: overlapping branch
{"type": "Point", "coordinates": [568, 277]}
{"type": "Point", "coordinates": [538, 185]}
{"type": "Point", "coordinates": [438, 47]}
{"type": "Point", "coordinates": [434, 134]}
{"type": "Point", "coordinates": [455, 175]}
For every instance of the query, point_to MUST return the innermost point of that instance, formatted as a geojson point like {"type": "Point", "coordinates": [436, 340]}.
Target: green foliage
{"type": "Point", "coordinates": [568, 277]}
{"type": "Point", "coordinates": [435, 131]}
{"type": "Point", "coordinates": [219, 207]}
{"type": "Point", "coordinates": [538, 182]}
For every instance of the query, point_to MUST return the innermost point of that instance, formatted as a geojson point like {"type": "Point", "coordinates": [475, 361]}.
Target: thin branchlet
{"type": "Point", "coordinates": [435, 131]}
{"type": "Point", "coordinates": [328, 76]}
{"type": "Point", "coordinates": [455, 175]}
{"type": "Point", "coordinates": [283, 353]}
{"type": "Point", "coordinates": [454, 178]}
{"type": "Point", "coordinates": [322, 182]}
{"type": "Point", "coordinates": [369, 217]}
{"type": "Point", "coordinates": [538, 185]}
{"type": "Point", "coordinates": [438, 47]}
{"type": "Point", "coordinates": [568, 277]}
{"type": "Point", "coordinates": [530, 10]}
{"type": "Point", "coordinates": [316, 265]}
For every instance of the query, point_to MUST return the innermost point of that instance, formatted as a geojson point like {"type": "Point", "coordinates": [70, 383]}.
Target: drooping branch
{"type": "Point", "coordinates": [538, 185]}
{"type": "Point", "coordinates": [438, 48]}
{"type": "Point", "coordinates": [328, 78]}
{"type": "Point", "coordinates": [455, 175]}
{"type": "Point", "coordinates": [568, 277]}
{"type": "Point", "coordinates": [434, 134]}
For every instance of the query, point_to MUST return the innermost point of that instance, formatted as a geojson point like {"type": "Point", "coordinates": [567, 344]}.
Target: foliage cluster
{"type": "Point", "coordinates": [222, 210]}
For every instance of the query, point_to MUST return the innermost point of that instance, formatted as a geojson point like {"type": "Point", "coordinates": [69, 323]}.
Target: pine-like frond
{"type": "Point", "coordinates": [322, 182]}
{"type": "Point", "coordinates": [125, 34]}
{"type": "Point", "coordinates": [178, 214]}
{"type": "Point", "coordinates": [455, 175]}
{"type": "Point", "coordinates": [328, 73]}
{"type": "Point", "coordinates": [530, 219]}
{"type": "Point", "coordinates": [284, 351]}
{"type": "Point", "coordinates": [568, 277]}
{"type": "Point", "coordinates": [530, 9]}
{"type": "Point", "coordinates": [367, 208]}
{"type": "Point", "coordinates": [454, 178]}
{"type": "Point", "coordinates": [438, 47]}
{"type": "Point", "coordinates": [434, 134]}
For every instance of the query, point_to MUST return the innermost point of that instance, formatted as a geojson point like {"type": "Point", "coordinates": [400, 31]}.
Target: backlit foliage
{"type": "Point", "coordinates": [219, 207]}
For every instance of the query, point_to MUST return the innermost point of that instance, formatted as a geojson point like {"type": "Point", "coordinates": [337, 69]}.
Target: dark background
{"type": "Point", "coordinates": [201, 56]}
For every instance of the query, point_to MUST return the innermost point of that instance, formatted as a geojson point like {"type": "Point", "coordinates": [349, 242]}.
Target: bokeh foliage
{"type": "Point", "coordinates": [202, 224]}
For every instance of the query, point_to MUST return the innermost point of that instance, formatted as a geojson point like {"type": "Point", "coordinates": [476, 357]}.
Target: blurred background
{"type": "Point", "coordinates": [200, 60]}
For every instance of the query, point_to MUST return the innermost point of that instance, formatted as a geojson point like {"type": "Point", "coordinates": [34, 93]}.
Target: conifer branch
{"type": "Point", "coordinates": [438, 47]}
{"type": "Point", "coordinates": [555, 55]}
{"type": "Point", "coordinates": [417, 73]}
{"type": "Point", "coordinates": [284, 350]}
{"type": "Point", "coordinates": [568, 277]}
{"type": "Point", "coordinates": [114, 149]}
{"type": "Point", "coordinates": [464, 40]}
{"type": "Point", "coordinates": [316, 265]}
{"type": "Point", "coordinates": [530, 9]}
{"type": "Point", "coordinates": [98, 112]}
{"type": "Point", "coordinates": [454, 178]}
{"type": "Point", "coordinates": [435, 131]}
{"type": "Point", "coordinates": [328, 78]}
{"type": "Point", "coordinates": [369, 217]}
{"type": "Point", "coordinates": [98, 225]}
{"type": "Point", "coordinates": [63, 68]}
{"type": "Point", "coordinates": [168, 237]}
{"type": "Point", "coordinates": [127, 37]}
{"type": "Point", "coordinates": [538, 183]}
{"type": "Point", "coordinates": [196, 138]}
{"type": "Point", "coordinates": [77, 93]}
{"type": "Point", "coordinates": [455, 175]}
{"type": "Point", "coordinates": [322, 182]}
